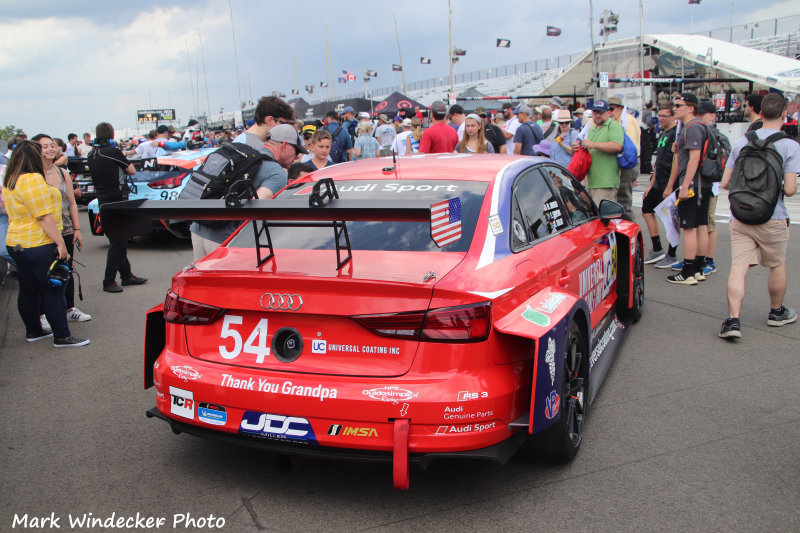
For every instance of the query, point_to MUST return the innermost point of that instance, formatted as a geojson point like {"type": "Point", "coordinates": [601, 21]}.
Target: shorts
{"type": "Point", "coordinates": [712, 209]}
{"type": "Point", "coordinates": [652, 199]}
{"type": "Point", "coordinates": [767, 242]}
{"type": "Point", "coordinates": [598, 195]}
{"type": "Point", "coordinates": [693, 213]}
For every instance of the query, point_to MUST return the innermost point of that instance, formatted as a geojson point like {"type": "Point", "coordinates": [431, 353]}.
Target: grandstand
{"type": "Point", "coordinates": [531, 78]}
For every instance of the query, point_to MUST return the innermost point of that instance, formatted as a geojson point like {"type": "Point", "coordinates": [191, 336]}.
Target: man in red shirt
{"type": "Point", "coordinates": [439, 138]}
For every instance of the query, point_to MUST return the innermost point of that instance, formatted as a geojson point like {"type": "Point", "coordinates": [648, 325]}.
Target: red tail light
{"type": "Point", "coordinates": [180, 311]}
{"type": "Point", "coordinates": [167, 183]}
{"type": "Point", "coordinates": [466, 323]}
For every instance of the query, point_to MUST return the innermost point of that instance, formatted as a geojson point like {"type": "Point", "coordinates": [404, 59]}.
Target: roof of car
{"type": "Point", "coordinates": [469, 167]}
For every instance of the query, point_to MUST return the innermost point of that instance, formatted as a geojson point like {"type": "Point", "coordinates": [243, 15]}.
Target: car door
{"type": "Point", "coordinates": [594, 244]}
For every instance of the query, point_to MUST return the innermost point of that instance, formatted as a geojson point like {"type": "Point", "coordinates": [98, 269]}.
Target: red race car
{"type": "Point", "coordinates": [437, 306]}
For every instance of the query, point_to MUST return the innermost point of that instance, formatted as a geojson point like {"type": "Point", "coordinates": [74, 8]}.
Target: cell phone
{"type": "Point", "coordinates": [78, 245]}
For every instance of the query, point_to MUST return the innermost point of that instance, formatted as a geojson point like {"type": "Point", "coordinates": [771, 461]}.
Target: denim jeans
{"type": "Point", "coordinates": [32, 267]}
{"type": "Point", "coordinates": [3, 230]}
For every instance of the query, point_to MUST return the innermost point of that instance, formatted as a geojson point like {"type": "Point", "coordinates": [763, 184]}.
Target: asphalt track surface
{"type": "Point", "coordinates": [689, 432]}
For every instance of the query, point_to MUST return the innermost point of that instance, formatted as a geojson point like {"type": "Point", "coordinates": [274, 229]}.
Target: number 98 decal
{"type": "Point", "coordinates": [255, 344]}
{"type": "Point", "coordinates": [169, 195]}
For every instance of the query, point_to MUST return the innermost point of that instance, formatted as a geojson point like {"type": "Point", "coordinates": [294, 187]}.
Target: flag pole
{"type": "Point", "coordinates": [328, 68]}
{"type": "Point", "coordinates": [594, 52]}
{"type": "Point", "coordinates": [400, 53]}
{"type": "Point", "coordinates": [294, 75]}
{"type": "Point", "coordinates": [641, 54]}
{"type": "Point", "coordinates": [235, 58]}
{"type": "Point", "coordinates": [450, 33]}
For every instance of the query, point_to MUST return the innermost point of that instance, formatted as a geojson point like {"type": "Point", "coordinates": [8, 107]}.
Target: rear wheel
{"type": "Point", "coordinates": [560, 442]}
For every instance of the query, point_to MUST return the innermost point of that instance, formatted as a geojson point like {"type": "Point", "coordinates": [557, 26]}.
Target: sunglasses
{"type": "Point", "coordinates": [664, 116]}
{"type": "Point", "coordinates": [284, 121]}
{"type": "Point", "coordinates": [678, 105]}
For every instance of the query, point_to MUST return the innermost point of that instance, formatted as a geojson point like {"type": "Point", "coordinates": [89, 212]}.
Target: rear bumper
{"type": "Point", "coordinates": [499, 453]}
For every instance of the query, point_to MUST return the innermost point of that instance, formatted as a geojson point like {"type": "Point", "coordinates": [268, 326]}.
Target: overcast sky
{"type": "Point", "coordinates": [64, 66]}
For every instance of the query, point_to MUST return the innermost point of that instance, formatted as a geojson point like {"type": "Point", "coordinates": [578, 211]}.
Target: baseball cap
{"type": "Point", "coordinates": [407, 122]}
{"type": "Point", "coordinates": [481, 111]}
{"type": "Point", "coordinates": [363, 114]}
{"type": "Point", "coordinates": [706, 106]}
{"type": "Point", "coordinates": [600, 105]}
{"type": "Point", "coordinates": [309, 128]}
{"type": "Point", "coordinates": [587, 113]}
{"type": "Point", "coordinates": [162, 129]}
{"type": "Point", "coordinates": [523, 108]}
{"type": "Point", "coordinates": [250, 122]}
{"type": "Point", "coordinates": [439, 108]}
{"type": "Point", "coordinates": [348, 109]}
{"type": "Point", "coordinates": [455, 108]}
{"type": "Point", "coordinates": [286, 133]}
{"type": "Point", "coordinates": [690, 98]}
{"type": "Point", "coordinates": [538, 109]}
{"type": "Point", "coordinates": [332, 113]}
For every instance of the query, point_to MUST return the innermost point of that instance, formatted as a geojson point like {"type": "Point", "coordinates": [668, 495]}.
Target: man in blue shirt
{"type": "Point", "coordinates": [528, 133]}
{"type": "Point", "coordinates": [341, 142]}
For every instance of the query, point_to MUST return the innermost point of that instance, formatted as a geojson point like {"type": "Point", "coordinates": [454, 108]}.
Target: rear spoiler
{"type": "Point", "coordinates": [323, 208]}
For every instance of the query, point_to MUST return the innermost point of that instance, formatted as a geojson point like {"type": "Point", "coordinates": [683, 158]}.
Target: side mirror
{"type": "Point", "coordinates": [610, 210]}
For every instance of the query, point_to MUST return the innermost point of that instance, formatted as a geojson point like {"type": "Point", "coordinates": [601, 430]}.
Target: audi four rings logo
{"type": "Point", "coordinates": [281, 302]}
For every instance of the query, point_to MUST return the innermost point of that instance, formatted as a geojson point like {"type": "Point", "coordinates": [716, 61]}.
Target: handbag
{"type": "Point", "coordinates": [580, 163]}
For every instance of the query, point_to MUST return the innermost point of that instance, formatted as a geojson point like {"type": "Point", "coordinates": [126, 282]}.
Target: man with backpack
{"type": "Point", "coordinates": [715, 155]}
{"type": "Point", "coordinates": [341, 142]}
{"type": "Point", "coordinates": [694, 191]}
{"type": "Point", "coordinates": [528, 134]}
{"type": "Point", "coordinates": [763, 165]}
{"type": "Point", "coordinates": [276, 154]}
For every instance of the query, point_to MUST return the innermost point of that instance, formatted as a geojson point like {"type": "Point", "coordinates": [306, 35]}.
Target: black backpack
{"type": "Point", "coordinates": [337, 153]}
{"type": "Point", "coordinates": [757, 179]}
{"type": "Point", "coordinates": [230, 163]}
{"type": "Point", "coordinates": [716, 151]}
{"type": "Point", "coordinates": [222, 168]}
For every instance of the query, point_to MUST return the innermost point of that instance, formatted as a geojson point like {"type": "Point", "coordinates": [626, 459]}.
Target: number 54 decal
{"type": "Point", "coordinates": [255, 344]}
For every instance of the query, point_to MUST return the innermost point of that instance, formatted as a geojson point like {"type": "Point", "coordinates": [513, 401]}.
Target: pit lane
{"type": "Point", "coordinates": [688, 432]}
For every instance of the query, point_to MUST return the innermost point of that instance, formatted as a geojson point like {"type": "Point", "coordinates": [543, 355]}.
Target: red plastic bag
{"type": "Point", "coordinates": [580, 163]}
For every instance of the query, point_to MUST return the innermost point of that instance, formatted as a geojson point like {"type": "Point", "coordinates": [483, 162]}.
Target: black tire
{"type": "Point", "coordinates": [560, 442]}
{"type": "Point", "coordinates": [635, 311]}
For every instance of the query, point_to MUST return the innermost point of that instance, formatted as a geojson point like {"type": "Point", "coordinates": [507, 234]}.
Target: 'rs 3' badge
{"type": "Point", "coordinates": [551, 405]}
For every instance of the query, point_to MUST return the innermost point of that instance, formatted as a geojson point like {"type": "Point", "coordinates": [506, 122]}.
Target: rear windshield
{"type": "Point", "coordinates": [395, 236]}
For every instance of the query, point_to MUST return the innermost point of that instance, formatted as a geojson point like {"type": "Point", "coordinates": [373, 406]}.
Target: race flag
{"type": "Point", "coordinates": [348, 75]}
{"type": "Point", "coordinates": [552, 31]}
{"type": "Point", "coordinates": [323, 84]}
{"type": "Point", "coordinates": [503, 43]}
{"type": "Point", "coordinates": [694, 2]}
{"type": "Point", "coordinates": [295, 91]}
{"type": "Point", "coordinates": [425, 60]}
{"type": "Point", "coordinates": [459, 52]}
{"type": "Point", "coordinates": [397, 68]}
{"type": "Point", "coordinates": [446, 221]}
{"type": "Point", "coordinates": [342, 79]}
{"type": "Point", "coordinates": [372, 73]}
{"type": "Point", "coordinates": [454, 59]}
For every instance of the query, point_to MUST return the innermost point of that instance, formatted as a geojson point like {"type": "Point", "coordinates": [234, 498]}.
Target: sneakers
{"type": "Point", "coordinates": [33, 337]}
{"type": "Point", "coordinates": [678, 265]}
{"type": "Point", "coordinates": [654, 256]}
{"type": "Point", "coordinates": [678, 278]}
{"type": "Point", "coordinates": [70, 342]}
{"type": "Point", "coordinates": [134, 280]}
{"type": "Point", "coordinates": [112, 288]}
{"type": "Point", "coordinates": [710, 267]}
{"type": "Point", "coordinates": [731, 329]}
{"type": "Point", "coordinates": [76, 315]}
{"type": "Point", "coordinates": [45, 324]}
{"type": "Point", "coordinates": [781, 319]}
{"type": "Point", "coordinates": [699, 276]}
{"type": "Point", "coordinates": [667, 262]}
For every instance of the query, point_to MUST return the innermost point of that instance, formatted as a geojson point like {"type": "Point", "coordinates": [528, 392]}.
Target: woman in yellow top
{"type": "Point", "coordinates": [34, 241]}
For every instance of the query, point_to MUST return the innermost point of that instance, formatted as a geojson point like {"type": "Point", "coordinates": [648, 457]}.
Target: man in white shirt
{"type": "Point", "coordinates": [399, 143]}
{"type": "Point", "coordinates": [510, 127]}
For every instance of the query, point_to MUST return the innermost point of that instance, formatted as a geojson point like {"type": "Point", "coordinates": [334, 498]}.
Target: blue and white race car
{"type": "Point", "coordinates": [159, 178]}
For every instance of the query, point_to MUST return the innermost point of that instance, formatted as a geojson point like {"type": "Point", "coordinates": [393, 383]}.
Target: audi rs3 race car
{"type": "Point", "coordinates": [158, 178]}
{"type": "Point", "coordinates": [442, 306]}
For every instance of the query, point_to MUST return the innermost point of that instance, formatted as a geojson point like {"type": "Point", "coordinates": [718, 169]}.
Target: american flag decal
{"type": "Point", "coordinates": [446, 221]}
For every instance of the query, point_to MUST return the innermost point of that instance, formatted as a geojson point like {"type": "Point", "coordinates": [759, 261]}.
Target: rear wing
{"type": "Point", "coordinates": [323, 208]}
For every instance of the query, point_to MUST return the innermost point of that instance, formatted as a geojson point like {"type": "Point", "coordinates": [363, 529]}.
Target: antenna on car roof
{"type": "Point", "coordinates": [393, 168]}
